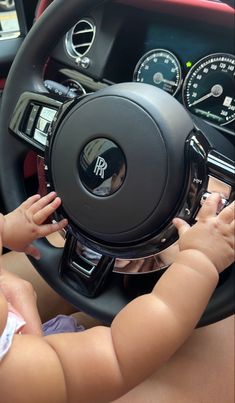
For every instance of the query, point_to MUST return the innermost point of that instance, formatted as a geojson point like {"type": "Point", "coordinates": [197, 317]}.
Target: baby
{"type": "Point", "coordinates": [102, 363]}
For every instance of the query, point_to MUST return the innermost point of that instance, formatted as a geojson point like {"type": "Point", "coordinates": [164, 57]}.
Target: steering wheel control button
{"type": "Point", "coordinates": [48, 114]}
{"type": "Point", "coordinates": [43, 124]}
{"type": "Point", "coordinates": [102, 167]}
{"type": "Point", "coordinates": [40, 136]}
{"type": "Point", "coordinates": [32, 116]}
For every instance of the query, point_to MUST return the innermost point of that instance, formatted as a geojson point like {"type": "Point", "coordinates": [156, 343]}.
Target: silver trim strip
{"type": "Point", "coordinates": [220, 162]}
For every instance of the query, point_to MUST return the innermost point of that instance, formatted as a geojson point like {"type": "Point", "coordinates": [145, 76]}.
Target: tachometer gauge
{"type": "Point", "coordinates": [209, 88]}
{"type": "Point", "coordinates": [161, 68]}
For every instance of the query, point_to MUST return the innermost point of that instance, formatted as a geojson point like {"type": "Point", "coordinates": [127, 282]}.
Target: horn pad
{"type": "Point", "coordinates": [118, 162]}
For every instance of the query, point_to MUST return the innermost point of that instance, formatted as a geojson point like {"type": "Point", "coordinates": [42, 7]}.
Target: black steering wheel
{"type": "Point", "coordinates": [125, 160]}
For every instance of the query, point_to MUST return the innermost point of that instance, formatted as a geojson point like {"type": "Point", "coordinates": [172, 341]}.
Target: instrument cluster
{"type": "Point", "coordinates": [208, 89]}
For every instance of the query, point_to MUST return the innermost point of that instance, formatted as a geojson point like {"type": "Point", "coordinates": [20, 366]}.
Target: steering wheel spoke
{"type": "Point", "coordinates": [32, 118]}
{"type": "Point", "coordinates": [86, 276]}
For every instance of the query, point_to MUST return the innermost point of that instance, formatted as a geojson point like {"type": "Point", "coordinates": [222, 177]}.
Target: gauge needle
{"type": "Point", "coordinates": [201, 99]}
{"type": "Point", "coordinates": [169, 82]}
{"type": "Point", "coordinates": [158, 79]}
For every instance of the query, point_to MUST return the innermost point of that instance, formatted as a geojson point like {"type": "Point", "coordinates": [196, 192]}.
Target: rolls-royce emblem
{"type": "Point", "coordinates": [100, 167]}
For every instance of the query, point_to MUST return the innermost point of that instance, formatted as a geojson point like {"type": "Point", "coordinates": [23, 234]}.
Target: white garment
{"type": "Point", "coordinates": [14, 324]}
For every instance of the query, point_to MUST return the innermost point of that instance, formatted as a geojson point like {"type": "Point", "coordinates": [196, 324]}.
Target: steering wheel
{"type": "Point", "coordinates": [160, 158]}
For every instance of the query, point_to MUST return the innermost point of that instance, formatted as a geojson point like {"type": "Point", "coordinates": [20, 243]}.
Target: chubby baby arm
{"type": "Point", "coordinates": [181, 295]}
{"type": "Point", "coordinates": [26, 223]}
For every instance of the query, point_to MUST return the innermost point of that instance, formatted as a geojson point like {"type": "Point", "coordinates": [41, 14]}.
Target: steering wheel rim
{"type": "Point", "coordinates": [26, 74]}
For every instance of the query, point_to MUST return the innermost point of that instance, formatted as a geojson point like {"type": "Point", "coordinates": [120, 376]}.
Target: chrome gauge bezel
{"type": "Point", "coordinates": [195, 69]}
{"type": "Point", "coordinates": [149, 55]}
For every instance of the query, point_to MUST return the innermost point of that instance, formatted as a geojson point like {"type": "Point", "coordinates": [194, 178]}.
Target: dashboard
{"type": "Point", "coordinates": [190, 57]}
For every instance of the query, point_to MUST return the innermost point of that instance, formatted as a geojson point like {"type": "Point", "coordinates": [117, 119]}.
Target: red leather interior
{"type": "Point", "coordinates": [2, 83]}
{"type": "Point", "coordinates": [42, 5]}
{"type": "Point", "coordinates": [201, 10]}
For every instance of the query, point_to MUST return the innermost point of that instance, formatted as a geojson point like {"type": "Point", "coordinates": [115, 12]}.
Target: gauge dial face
{"type": "Point", "coordinates": [161, 68]}
{"type": "Point", "coordinates": [209, 89]}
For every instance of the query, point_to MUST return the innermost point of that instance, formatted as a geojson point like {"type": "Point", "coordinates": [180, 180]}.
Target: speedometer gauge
{"type": "Point", "coordinates": [161, 68]}
{"type": "Point", "coordinates": [209, 89]}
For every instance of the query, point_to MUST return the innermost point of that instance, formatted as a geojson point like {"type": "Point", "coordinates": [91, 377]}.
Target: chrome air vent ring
{"type": "Point", "coordinates": [80, 38]}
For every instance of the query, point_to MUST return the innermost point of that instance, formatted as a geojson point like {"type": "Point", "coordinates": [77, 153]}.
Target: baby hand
{"type": "Point", "coordinates": [25, 224]}
{"type": "Point", "coordinates": [213, 235]}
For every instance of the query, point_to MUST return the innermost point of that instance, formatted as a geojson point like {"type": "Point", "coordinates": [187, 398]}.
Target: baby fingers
{"type": "Point", "coordinates": [40, 216]}
{"type": "Point", "coordinates": [40, 203]}
{"type": "Point", "coordinates": [181, 225]}
{"type": "Point", "coordinates": [30, 201]}
{"type": "Point", "coordinates": [48, 229]}
{"type": "Point", "coordinates": [210, 207]}
{"type": "Point", "coordinates": [228, 213]}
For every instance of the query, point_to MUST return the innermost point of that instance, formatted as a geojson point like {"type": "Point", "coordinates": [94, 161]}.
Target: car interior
{"type": "Point", "coordinates": [126, 108]}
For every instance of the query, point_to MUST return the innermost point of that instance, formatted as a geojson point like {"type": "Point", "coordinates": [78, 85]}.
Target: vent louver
{"type": "Point", "coordinates": [80, 38]}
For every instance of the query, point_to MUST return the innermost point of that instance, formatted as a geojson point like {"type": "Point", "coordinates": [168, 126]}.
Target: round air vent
{"type": "Point", "coordinates": [80, 38]}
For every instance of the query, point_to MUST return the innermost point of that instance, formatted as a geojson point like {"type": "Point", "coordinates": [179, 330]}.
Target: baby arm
{"type": "Point", "coordinates": [181, 295]}
{"type": "Point", "coordinates": [26, 223]}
